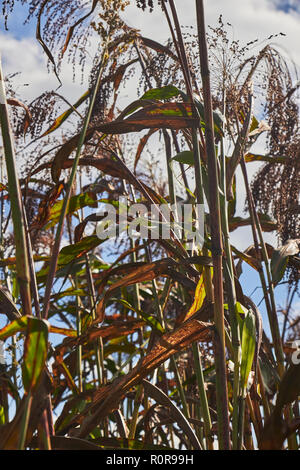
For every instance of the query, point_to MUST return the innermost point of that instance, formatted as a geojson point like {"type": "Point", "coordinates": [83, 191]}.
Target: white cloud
{"type": "Point", "coordinates": [251, 19]}
{"type": "Point", "coordinates": [26, 56]}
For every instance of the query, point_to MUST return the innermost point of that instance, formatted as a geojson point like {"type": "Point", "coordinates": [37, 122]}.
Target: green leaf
{"type": "Point", "coordinates": [149, 319]}
{"type": "Point", "coordinates": [253, 262]}
{"type": "Point", "coordinates": [186, 157]}
{"type": "Point", "coordinates": [62, 118]}
{"type": "Point", "coordinates": [280, 259]}
{"type": "Point", "coordinates": [76, 202]}
{"type": "Point", "coordinates": [35, 352]}
{"type": "Point", "coordinates": [71, 252]}
{"type": "Point", "coordinates": [70, 292]}
{"type": "Point", "coordinates": [2, 416]}
{"type": "Point", "coordinates": [163, 93]}
{"type": "Point", "coordinates": [14, 327]}
{"type": "Point", "coordinates": [218, 118]}
{"type": "Point", "coordinates": [239, 308]}
{"type": "Point", "coordinates": [248, 349]}
{"type": "Point", "coordinates": [254, 124]}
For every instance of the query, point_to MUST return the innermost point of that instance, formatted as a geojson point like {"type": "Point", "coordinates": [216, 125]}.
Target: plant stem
{"type": "Point", "coordinates": [59, 232]}
{"type": "Point", "coordinates": [271, 307]}
{"type": "Point", "coordinates": [135, 414]}
{"type": "Point", "coordinates": [25, 421]}
{"type": "Point", "coordinates": [203, 398]}
{"type": "Point", "coordinates": [231, 294]}
{"type": "Point", "coordinates": [22, 262]}
{"type": "Point", "coordinates": [216, 238]}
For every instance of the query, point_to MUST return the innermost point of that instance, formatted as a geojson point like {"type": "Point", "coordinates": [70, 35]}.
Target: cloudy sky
{"type": "Point", "coordinates": [250, 19]}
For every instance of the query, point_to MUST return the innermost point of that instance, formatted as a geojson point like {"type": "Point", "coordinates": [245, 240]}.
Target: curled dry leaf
{"type": "Point", "coordinates": [160, 115]}
{"type": "Point", "coordinates": [107, 398]}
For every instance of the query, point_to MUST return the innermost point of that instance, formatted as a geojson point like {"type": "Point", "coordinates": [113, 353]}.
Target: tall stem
{"type": "Point", "coordinates": [216, 237]}
{"type": "Point", "coordinates": [22, 262]}
{"type": "Point", "coordinates": [59, 232]}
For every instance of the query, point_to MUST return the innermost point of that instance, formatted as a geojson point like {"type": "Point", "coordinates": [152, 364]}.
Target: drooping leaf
{"type": "Point", "coordinates": [38, 36]}
{"type": "Point", "coordinates": [18, 103]}
{"type": "Point", "coordinates": [186, 157]}
{"type": "Point", "coordinates": [277, 429]}
{"type": "Point", "coordinates": [71, 291]}
{"type": "Point", "coordinates": [156, 46]}
{"type": "Point", "coordinates": [253, 157]}
{"type": "Point", "coordinates": [73, 27]}
{"type": "Point", "coordinates": [107, 398]}
{"type": "Point", "coordinates": [267, 224]}
{"type": "Point", "coordinates": [149, 319]}
{"type": "Point", "coordinates": [280, 258]}
{"type": "Point", "coordinates": [64, 116]}
{"type": "Point", "coordinates": [72, 252]}
{"type": "Point", "coordinates": [262, 127]}
{"type": "Point", "coordinates": [144, 272]}
{"type": "Point", "coordinates": [198, 300]}
{"type": "Point", "coordinates": [119, 73]}
{"type": "Point", "coordinates": [163, 93]}
{"type": "Point", "coordinates": [35, 352]}
{"type": "Point", "coordinates": [87, 199]}
{"type": "Point", "coordinates": [160, 115]}
{"type": "Point", "coordinates": [160, 397]}
{"type": "Point", "coordinates": [218, 118]}
{"type": "Point", "coordinates": [247, 258]}
{"type": "Point", "coordinates": [8, 306]}
{"type": "Point", "coordinates": [16, 326]}
{"type": "Point", "coordinates": [63, 331]}
{"type": "Point", "coordinates": [116, 77]}
{"type": "Point", "coordinates": [289, 388]}
{"type": "Point", "coordinates": [45, 206]}
{"type": "Point", "coordinates": [248, 348]}
{"type": "Point", "coordinates": [141, 146]}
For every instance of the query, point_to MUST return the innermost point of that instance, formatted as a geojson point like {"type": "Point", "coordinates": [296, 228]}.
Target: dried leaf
{"type": "Point", "coordinates": [107, 398]}
{"type": "Point", "coordinates": [161, 398]}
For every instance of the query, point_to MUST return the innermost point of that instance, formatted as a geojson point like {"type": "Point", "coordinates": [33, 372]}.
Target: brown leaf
{"type": "Point", "coordinates": [7, 305]}
{"type": "Point", "coordinates": [276, 430]}
{"type": "Point", "coordinates": [9, 436]}
{"type": "Point", "coordinates": [42, 43]}
{"type": "Point", "coordinates": [156, 46]}
{"type": "Point", "coordinates": [144, 272]}
{"type": "Point", "coordinates": [142, 145]}
{"type": "Point", "coordinates": [160, 115]}
{"type": "Point", "coordinates": [45, 206]}
{"type": "Point", "coordinates": [28, 117]}
{"type": "Point", "coordinates": [107, 398]}
{"type": "Point", "coordinates": [163, 399]}
{"type": "Point", "coordinates": [72, 28]}
{"type": "Point", "coordinates": [118, 329]}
